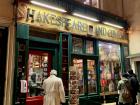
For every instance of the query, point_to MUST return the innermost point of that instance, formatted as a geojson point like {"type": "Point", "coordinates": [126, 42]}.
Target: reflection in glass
{"type": "Point", "coordinates": [92, 3]}
{"type": "Point", "coordinates": [79, 64]}
{"type": "Point", "coordinates": [77, 45]}
{"type": "Point", "coordinates": [91, 76]}
{"type": "Point", "coordinates": [109, 66]}
{"type": "Point", "coordinates": [37, 73]}
{"type": "Point", "coordinates": [89, 47]}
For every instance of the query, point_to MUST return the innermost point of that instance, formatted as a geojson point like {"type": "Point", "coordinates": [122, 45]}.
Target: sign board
{"type": "Point", "coordinates": [52, 20]}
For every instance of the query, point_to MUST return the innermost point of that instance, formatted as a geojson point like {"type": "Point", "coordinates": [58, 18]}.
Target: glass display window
{"type": "Point", "coordinates": [89, 47]}
{"type": "Point", "coordinates": [110, 66]}
{"type": "Point", "coordinates": [92, 82]}
{"type": "Point", "coordinates": [79, 64]}
{"type": "Point", "coordinates": [38, 70]}
{"type": "Point", "coordinates": [77, 45]}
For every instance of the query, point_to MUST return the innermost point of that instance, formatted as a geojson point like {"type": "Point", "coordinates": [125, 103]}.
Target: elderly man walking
{"type": "Point", "coordinates": [54, 90]}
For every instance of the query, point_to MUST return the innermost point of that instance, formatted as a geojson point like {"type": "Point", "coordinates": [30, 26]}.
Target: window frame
{"type": "Point", "coordinates": [87, 56]}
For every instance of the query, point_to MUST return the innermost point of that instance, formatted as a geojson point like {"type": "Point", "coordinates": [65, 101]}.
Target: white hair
{"type": "Point", "coordinates": [53, 72]}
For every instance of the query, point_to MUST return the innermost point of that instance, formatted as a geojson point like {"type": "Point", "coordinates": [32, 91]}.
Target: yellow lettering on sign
{"type": "Point", "coordinates": [49, 19]}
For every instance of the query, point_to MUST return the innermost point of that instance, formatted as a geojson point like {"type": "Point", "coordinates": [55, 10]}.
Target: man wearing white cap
{"type": "Point", "coordinates": [54, 90]}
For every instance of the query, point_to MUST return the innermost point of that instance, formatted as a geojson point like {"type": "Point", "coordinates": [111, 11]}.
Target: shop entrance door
{"type": "Point", "coordinates": [3, 48]}
{"type": "Point", "coordinates": [39, 67]}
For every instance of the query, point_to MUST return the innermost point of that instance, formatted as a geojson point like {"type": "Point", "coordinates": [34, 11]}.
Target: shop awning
{"type": "Point", "coordinates": [133, 55]}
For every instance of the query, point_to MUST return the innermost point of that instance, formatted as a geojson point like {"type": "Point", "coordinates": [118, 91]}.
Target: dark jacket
{"type": "Point", "coordinates": [135, 86]}
{"type": "Point", "coordinates": [134, 83]}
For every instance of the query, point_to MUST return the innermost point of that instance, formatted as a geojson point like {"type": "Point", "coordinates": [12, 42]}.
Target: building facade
{"type": "Point", "coordinates": [128, 10]}
{"type": "Point", "coordinates": [7, 40]}
{"type": "Point", "coordinates": [70, 34]}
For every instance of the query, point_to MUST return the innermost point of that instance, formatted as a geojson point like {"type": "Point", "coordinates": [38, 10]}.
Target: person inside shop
{"type": "Point", "coordinates": [53, 90]}
{"type": "Point", "coordinates": [135, 85]}
{"type": "Point", "coordinates": [124, 90]}
{"type": "Point", "coordinates": [32, 84]}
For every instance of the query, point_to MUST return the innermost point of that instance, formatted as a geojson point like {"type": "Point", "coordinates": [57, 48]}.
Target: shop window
{"type": "Point", "coordinates": [86, 64]}
{"type": "Point", "coordinates": [37, 72]}
{"type": "Point", "coordinates": [110, 69]}
{"type": "Point", "coordinates": [92, 83]}
{"type": "Point", "coordinates": [92, 3]}
{"type": "Point", "coordinates": [90, 80]}
{"type": "Point", "coordinates": [77, 45]}
{"type": "Point", "coordinates": [89, 47]}
{"type": "Point", "coordinates": [79, 64]}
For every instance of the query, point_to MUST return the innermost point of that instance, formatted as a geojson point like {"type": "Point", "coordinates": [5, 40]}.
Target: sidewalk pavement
{"type": "Point", "coordinates": [114, 104]}
{"type": "Point", "coordinates": [109, 103]}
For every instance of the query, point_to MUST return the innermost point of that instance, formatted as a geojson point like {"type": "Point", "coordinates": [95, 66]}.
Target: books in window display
{"type": "Point", "coordinates": [73, 86]}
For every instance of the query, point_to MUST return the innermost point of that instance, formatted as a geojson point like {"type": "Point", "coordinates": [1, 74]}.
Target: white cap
{"type": "Point", "coordinates": [53, 72]}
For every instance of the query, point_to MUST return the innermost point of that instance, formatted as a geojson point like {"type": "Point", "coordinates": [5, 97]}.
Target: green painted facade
{"type": "Point", "coordinates": [55, 47]}
{"type": "Point", "coordinates": [56, 50]}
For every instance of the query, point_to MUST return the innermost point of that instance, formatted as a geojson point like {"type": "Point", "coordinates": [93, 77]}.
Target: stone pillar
{"type": "Point", "coordinates": [73, 86]}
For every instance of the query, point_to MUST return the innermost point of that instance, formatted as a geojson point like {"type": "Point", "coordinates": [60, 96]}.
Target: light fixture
{"type": "Point", "coordinates": [110, 46]}
{"type": "Point", "coordinates": [100, 45]}
{"type": "Point", "coordinates": [48, 6]}
{"type": "Point", "coordinates": [114, 25]}
{"type": "Point", "coordinates": [85, 17]}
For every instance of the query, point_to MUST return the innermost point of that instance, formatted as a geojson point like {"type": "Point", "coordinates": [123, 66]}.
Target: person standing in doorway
{"type": "Point", "coordinates": [134, 84]}
{"type": "Point", "coordinates": [54, 90]}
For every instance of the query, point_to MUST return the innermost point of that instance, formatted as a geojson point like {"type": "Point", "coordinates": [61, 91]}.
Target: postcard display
{"type": "Point", "coordinates": [73, 86]}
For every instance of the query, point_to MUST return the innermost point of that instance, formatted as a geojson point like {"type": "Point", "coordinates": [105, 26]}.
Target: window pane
{"type": "Point", "coordinates": [109, 66]}
{"type": "Point", "coordinates": [91, 76]}
{"type": "Point", "coordinates": [89, 47]}
{"type": "Point", "coordinates": [79, 64]}
{"type": "Point", "coordinates": [37, 72]}
{"type": "Point", "coordinates": [77, 45]}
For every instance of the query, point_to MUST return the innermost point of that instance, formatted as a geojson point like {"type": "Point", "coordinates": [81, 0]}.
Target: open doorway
{"type": "Point", "coordinates": [3, 50]}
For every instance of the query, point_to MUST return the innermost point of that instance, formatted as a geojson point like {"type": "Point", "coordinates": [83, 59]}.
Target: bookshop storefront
{"type": "Point", "coordinates": [47, 40]}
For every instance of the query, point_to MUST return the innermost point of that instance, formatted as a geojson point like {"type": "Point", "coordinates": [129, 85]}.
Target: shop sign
{"type": "Point", "coordinates": [48, 19]}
